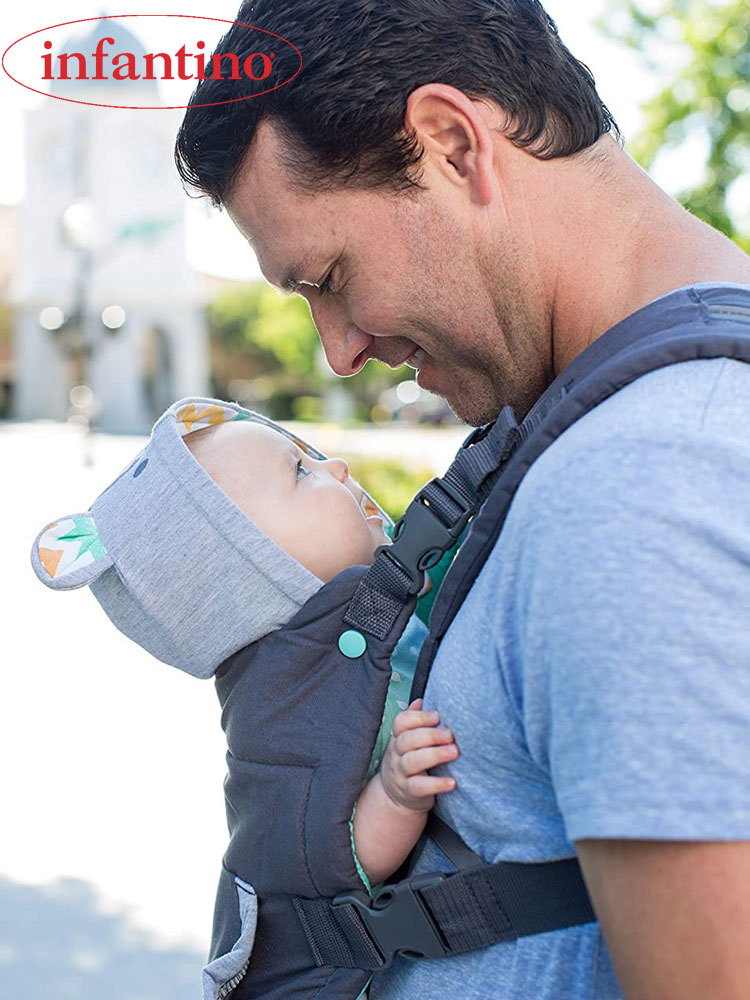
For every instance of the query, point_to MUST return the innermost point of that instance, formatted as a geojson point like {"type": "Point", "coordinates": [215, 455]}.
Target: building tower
{"type": "Point", "coordinates": [102, 260]}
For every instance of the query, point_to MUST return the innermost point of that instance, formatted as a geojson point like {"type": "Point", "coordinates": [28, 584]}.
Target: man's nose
{"type": "Point", "coordinates": [338, 468]}
{"type": "Point", "coordinates": [341, 339]}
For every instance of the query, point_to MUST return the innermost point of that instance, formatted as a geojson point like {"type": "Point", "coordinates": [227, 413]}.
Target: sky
{"type": "Point", "coordinates": [213, 244]}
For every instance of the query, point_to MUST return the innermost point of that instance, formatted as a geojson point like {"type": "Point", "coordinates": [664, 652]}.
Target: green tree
{"type": "Point", "coordinates": [709, 94]}
{"type": "Point", "coordinates": [277, 334]}
{"type": "Point", "coordinates": [257, 321]}
{"type": "Point", "coordinates": [6, 325]}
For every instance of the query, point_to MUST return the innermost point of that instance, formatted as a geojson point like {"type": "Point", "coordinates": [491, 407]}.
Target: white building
{"type": "Point", "coordinates": [102, 225]}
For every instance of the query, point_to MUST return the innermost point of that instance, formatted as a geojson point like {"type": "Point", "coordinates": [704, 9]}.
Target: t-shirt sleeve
{"type": "Point", "coordinates": [633, 590]}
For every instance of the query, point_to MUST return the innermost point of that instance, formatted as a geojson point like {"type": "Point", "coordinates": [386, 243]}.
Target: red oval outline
{"type": "Point", "coordinates": [149, 107]}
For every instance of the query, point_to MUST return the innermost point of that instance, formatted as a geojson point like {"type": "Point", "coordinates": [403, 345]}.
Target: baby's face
{"type": "Point", "coordinates": [311, 509]}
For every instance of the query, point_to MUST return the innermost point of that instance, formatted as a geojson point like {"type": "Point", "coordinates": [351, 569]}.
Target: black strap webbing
{"type": "Point", "coordinates": [451, 844]}
{"type": "Point", "coordinates": [434, 915]}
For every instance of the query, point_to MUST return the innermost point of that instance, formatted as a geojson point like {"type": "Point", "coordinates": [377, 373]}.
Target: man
{"type": "Point", "coordinates": [442, 185]}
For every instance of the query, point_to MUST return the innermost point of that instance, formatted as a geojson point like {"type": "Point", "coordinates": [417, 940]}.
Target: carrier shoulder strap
{"type": "Point", "coordinates": [720, 327]}
{"type": "Point", "coordinates": [430, 527]}
{"type": "Point", "coordinates": [436, 914]}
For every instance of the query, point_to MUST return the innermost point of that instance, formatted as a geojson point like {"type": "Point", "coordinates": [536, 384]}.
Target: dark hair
{"type": "Point", "coordinates": [342, 116]}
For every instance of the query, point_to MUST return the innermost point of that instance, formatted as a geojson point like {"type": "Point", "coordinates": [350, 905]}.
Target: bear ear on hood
{"type": "Point", "coordinates": [68, 553]}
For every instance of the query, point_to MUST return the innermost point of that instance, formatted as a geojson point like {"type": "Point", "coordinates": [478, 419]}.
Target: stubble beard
{"type": "Point", "coordinates": [500, 361]}
{"type": "Point", "coordinates": [498, 368]}
{"type": "Point", "coordinates": [477, 397]}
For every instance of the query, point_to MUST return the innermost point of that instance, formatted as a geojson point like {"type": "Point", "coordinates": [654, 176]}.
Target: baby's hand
{"type": "Point", "coordinates": [416, 745]}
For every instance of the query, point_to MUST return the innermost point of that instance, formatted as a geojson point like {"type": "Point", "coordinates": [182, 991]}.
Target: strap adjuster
{"type": "Point", "coordinates": [475, 435]}
{"type": "Point", "coordinates": [421, 537]}
{"type": "Point", "coordinates": [397, 920]}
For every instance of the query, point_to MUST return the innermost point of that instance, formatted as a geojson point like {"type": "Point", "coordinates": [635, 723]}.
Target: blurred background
{"type": "Point", "coordinates": [118, 295]}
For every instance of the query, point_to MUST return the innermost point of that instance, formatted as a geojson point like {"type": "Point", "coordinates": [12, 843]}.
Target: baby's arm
{"type": "Point", "coordinates": [392, 808]}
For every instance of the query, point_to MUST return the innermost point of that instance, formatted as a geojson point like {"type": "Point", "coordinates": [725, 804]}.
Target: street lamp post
{"type": "Point", "coordinates": [71, 332]}
{"type": "Point", "coordinates": [77, 334]}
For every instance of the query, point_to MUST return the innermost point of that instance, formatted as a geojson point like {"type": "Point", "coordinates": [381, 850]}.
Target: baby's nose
{"type": "Point", "coordinates": [338, 468]}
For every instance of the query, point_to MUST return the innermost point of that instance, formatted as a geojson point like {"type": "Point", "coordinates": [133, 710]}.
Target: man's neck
{"type": "Point", "coordinates": [629, 244]}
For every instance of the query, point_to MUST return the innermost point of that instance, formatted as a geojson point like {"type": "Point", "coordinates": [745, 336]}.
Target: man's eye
{"type": "Point", "coordinates": [301, 468]}
{"type": "Point", "coordinates": [324, 288]}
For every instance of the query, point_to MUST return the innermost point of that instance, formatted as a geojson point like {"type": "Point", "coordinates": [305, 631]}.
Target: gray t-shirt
{"type": "Point", "coordinates": [597, 677]}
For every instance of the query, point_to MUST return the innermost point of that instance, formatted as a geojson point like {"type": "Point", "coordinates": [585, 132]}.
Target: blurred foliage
{"type": "Point", "coordinates": [6, 322]}
{"type": "Point", "coordinates": [239, 320]}
{"type": "Point", "coordinates": [271, 339]}
{"type": "Point", "coordinates": [389, 481]}
{"type": "Point", "coordinates": [275, 329]}
{"type": "Point", "coordinates": [710, 93]}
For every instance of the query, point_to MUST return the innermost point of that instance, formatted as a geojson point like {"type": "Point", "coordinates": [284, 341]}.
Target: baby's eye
{"type": "Point", "coordinates": [301, 468]}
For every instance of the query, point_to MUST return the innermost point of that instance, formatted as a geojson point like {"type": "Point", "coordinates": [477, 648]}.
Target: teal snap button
{"type": "Point", "coordinates": [352, 644]}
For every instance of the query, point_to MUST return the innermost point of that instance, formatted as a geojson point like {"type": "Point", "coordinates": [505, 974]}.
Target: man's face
{"type": "Point", "coordinates": [388, 274]}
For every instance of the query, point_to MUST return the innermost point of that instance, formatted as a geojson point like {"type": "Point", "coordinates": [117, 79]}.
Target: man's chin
{"type": "Point", "coordinates": [467, 407]}
{"type": "Point", "coordinates": [475, 419]}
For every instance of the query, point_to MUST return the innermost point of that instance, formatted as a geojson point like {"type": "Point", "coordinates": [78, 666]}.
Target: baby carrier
{"type": "Point", "coordinates": [291, 917]}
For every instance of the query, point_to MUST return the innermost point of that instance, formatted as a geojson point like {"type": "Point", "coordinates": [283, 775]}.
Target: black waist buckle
{"type": "Point", "coordinates": [397, 920]}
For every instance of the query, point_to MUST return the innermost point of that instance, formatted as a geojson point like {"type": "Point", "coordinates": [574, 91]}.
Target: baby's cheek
{"type": "Point", "coordinates": [364, 540]}
{"type": "Point", "coordinates": [345, 539]}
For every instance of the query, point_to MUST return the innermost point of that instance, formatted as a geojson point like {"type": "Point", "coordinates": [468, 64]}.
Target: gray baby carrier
{"type": "Point", "coordinates": [302, 708]}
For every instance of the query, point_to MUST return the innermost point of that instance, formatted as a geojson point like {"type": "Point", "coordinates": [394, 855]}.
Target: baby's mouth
{"type": "Point", "coordinates": [369, 508]}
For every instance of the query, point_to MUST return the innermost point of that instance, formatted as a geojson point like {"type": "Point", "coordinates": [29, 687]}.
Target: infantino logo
{"type": "Point", "coordinates": [124, 64]}
{"type": "Point", "coordinates": [108, 58]}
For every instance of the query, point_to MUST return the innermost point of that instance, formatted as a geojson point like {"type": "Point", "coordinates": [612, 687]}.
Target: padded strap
{"type": "Point", "coordinates": [431, 526]}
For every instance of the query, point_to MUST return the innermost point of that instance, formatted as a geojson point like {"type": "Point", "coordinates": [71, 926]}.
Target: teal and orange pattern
{"type": "Point", "coordinates": [68, 545]}
{"type": "Point", "coordinates": [193, 416]}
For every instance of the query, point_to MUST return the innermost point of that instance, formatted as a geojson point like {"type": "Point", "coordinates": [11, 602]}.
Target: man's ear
{"type": "Point", "coordinates": [453, 131]}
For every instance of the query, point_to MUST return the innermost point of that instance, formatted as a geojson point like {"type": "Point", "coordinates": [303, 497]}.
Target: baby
{"type": "Point", "coordinates": [314, 511]}
{"type": "Point", "coordinates": [237, 524]}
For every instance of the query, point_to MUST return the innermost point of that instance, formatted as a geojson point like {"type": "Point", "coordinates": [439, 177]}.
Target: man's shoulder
{"type": "Point", "coordinates": [669, 402]}
{"type": "Point", "coordinates": [700, 406]}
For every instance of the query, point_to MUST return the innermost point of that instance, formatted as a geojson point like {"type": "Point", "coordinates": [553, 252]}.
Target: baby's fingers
{"type": "Point", "coordinates": [416, 761]}
{"type": "Point", "coordinates": [422, 736]}
{"type": "Point", "coordinates": [424, 785]}
{"type": "Point", "coordinates": [412, 718]}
